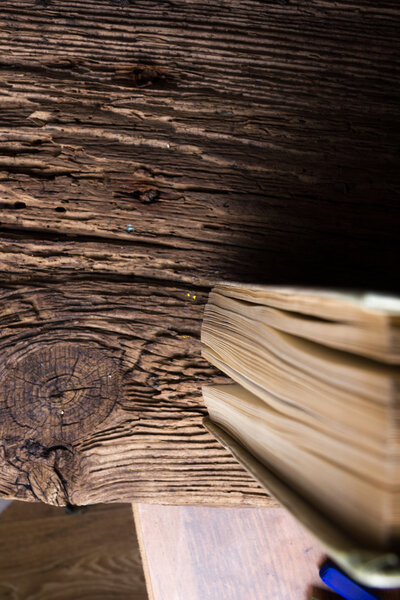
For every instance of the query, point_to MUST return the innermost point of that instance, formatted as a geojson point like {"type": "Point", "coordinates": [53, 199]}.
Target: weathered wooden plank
{"type": "Point", "coordinates": [100, 398]}
{"type": "Point", "coordinates": [269, 139]}
{"type": "Point", "coordinates": [147, 150]}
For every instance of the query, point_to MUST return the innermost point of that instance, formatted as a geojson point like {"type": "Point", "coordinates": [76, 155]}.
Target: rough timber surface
{"type": "Point", "coordinates": [112, 372]}
{"type": "Point", "coordinates": [147, 150]}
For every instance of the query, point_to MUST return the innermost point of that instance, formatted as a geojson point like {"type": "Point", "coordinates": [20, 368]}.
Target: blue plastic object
{"type": "Point", "coordinates": [343, 585]}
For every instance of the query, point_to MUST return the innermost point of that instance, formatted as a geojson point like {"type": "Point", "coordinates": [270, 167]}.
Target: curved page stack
{"type": "Point", "coordinates": [315, 397]}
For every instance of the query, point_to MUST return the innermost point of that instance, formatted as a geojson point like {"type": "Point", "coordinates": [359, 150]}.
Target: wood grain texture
{"type": "Point", "coordinates": [49, 555]}
{"type": "Point", "coordinates": [148, 443]}
{"type": "Point", "coordinates": [219, 554]}
{"type": "Point", "coordinates": [147, 150]}
{"type": "Point", "coordinates": [271, 142]}
{"type": "Point", "coordinates": [230, 554]}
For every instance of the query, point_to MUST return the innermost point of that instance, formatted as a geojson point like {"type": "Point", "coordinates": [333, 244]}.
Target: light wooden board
{"type": "Point", "coordinates": [206, 553]}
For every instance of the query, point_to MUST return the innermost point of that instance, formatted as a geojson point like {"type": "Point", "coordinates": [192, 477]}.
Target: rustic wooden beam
{"type": "Point", "coordinates": [147, 150]}
{"type": "Point", "coordinates": [100, 398]}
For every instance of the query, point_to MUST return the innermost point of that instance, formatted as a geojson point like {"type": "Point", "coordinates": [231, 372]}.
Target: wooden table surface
{"type": "Point", "coordinates": [206, 553]}
{"type": "Point", "coordinates": [47, 554]}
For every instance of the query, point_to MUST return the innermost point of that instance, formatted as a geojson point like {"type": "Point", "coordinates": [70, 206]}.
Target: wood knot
{"type": "Point", "coordinates": [58, 393]}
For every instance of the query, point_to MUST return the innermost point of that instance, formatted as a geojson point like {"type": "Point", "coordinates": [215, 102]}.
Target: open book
{"type": "Point", "coordinates": [315, 397]}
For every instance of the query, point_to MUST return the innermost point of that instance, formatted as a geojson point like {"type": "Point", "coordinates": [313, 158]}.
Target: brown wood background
{"type": "Point", "coordinates": [151, 148]}
{"type": "Point", "coordinates": [46, 554]}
